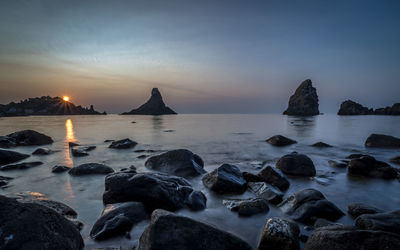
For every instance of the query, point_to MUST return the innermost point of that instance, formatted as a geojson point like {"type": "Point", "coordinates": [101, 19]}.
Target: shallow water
{"type": "Point", "coordinates": [237, 139]}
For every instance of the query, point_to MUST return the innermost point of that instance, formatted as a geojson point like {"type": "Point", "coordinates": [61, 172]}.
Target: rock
{"type": "Point", "coordinates": [117, 219]}
{"type": "Point", "coordinates": [395, 160]}
{"type": "Point", "coordinates": [296, 164]}
{"type": "Point", "coordinates": [33, 226]}
{"type": "Point", "coordinates": [60, 169]}
{"type": "Point", "coordinates": [7, 142]}
{"type": "Point", "coordinates": [23, 165]}
{"type": "Point", "coordinates": [196, 201]}
{"type": "Point", "coordinates": [169, 231]}
{"type": "Point", "coordinates": [42, 151]}
{"type": "Point", "coordinates": [247, 207]}
{"type": "Point", "coordinates": [357, 209]}
{"type": "Point", "coordinates": [309, 204]}
{"type": "Point", "coordinates": [352, 108]}
{"type": "Point", "coordinates": [142, 156]}
{"type": "Point", "coordinates": [225, 179]}
{"type": "Point", "coordinates": [350, 238]}
{"type": "Point", "coordinates": [274, 177]}
{"type": "Point", "coordinates": [7, 156]}
{"type": "Point", "coordinates": [388, 222]}
{"type": "Point", "coordinates": [304, 102]}
{"type": "Point", "coordinates": [180, 162]}
{"type": "Point", "coordinates": [368, 166]}
{"type": "Point", "coordinates": [154, 190]}
{"type": "Point", "coordinates": [324, 223]}
{"type": "Point", "coordinates": [249, 177]}
{"type": "Point", "coordinates": [394, 110]}
{"type": "Point", "coordinates": [356, 156]}
{"type": "Point", "coordinates": [321, 145]}
{"type": "Point", "coordinates": [30, 138]}
{"type": "Point", "coordinates": [382, 141]}
{"type": "Point", "coordinates": [336, 164]}
{"type": "Point", "coordinates": [79, 151]}
{"type": "Point", "coordinates": [72, 144]}
{"type": "Point", "coordinates": [279, 234]}
{"type": "Point", "coordinates": [90, 168]}
{"type": "Point", "coordinates": [122, 144]}
{"type": "Point", "coordinates": [280, 140]}
{"type": "Point", "coordinates": [4, 180]}
{"type": "Point", "coordinates": [265, 191]}
{"type": "Point", "coordinates": [154, 106]}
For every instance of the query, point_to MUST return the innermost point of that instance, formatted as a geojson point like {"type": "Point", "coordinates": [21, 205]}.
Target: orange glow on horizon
{"type": "Point", "coordinates": [66, 98]}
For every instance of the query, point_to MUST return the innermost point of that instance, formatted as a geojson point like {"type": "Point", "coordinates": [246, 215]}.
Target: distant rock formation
{"type": "Point", "coordinates": [45, 105]}
{"type": "Point", "coordinates": [352, 108]}
{"type": "Point", "coordinates": [394, 110]}
{"type": "Point", "coordinates": [154, 106]}
{"type": "Point", "coordinates": [304, 102]}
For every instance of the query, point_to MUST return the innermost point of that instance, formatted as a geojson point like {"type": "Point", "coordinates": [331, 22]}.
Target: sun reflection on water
{"type": "Point", "coordinates": [69, 137]}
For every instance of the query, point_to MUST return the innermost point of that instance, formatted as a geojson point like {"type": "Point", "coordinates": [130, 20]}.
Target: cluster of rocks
{"type": "Point", "coordinates": [352, 108]}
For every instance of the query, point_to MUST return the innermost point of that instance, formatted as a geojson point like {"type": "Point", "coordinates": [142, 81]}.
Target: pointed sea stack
{"type": "Point", "coordinates": [154, 106]}
{"type": "Point", "coordinates": [304, 102]}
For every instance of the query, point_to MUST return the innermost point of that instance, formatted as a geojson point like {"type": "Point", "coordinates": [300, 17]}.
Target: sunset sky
{"type": "Point", "coordinates": [204, 56]}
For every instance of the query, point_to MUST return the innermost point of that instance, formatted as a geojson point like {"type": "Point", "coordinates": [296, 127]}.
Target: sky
{"type": "Point", "coordinates": [204, 56]}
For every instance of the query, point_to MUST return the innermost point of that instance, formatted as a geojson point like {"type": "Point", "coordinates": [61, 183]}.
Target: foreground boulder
{"type": "Point", "coordinates": [279, 234]}
{"type": "Point", "coordinates": [180, 162]}
{"type": "Point", "coordinates": [309, 204]}
{"type": "Point", "coordinates": [42, 151]}
{"type": "Point", "coordinates": [117, 219]}
{"type": "Point", "coordinates": [356, 209]}
{"type": "Point", "coordinates": [265, 191]}
{"type": "Point", "coordinates": [154, 190]}
{"type": "Point", "coordinates": [169, 231]}
{"type": "Point", "coordinates": [296, 164]}
{"type": "Point", "coordinates": [225, 179]}
{"type": "Point", "coordinates": [23, 165]}
{"type": "Point", "coordinates": [280, 140]}
{"type": "Point", "coordinates": [60, 169]}
{"type": "Point", "coordinates": [382, 141]}
{"type": "Point", "coordinates": [247, 207]}
{"type": "Point", "coordinates": [123, 144]}
{"type": "Point", "coordinates": [7, 156]}
{"type": "Point", "coordinates": [7, 142]}
{"type": "Point", "coordinates": [368, 166]}
{"type": "Point", "coordinates": [33, 226]}
{"type": "Point", "coordinates": [350, 238]}
{"type": "Point", "coordinates": [90, 168]}
{"type": "Point", "coordinates": [304, 102]}
{"type": "Point", "coordinates": [388, 222]}
{"type": "Point", "coordinates": [352, 108]}
{"type": "Point", "coordinates": [321, 145]}
{"type": "Point", "coordinates": [30, 138]}
{"type": "Point", "coordinates": [274, 177]}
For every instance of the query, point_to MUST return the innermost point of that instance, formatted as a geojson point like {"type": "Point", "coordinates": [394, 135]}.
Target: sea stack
{"type": "Point", "coordinates": [352, 108]}
{"type": "Point", "coordinates": [154, 106]}
{"type": "Point", "coordinates": [304, 102]}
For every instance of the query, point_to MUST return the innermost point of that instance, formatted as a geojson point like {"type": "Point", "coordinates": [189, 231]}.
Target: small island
{"type": "Point", "coordinates": [304, 102]}
{"type": "Point", "coordinates": [350, 107]}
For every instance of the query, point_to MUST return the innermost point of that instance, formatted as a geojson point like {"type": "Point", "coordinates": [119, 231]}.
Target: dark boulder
{"type": "Point", "coordinates": [225, 179]}
{"type": "Point", "coordinates": [321, 145]}
{"type": "Point", "coordinates": [357, 209]}
{"type": "Point", "coordinates": [352, 108]}
{"type": "Point", "coordinates": [280, 140]}
{"type": "Point", "coordinates": [169, 231]}
{"type": "Point", "coordinates": [355, 156]}
{"type": "Point", "coordinates": [382, 141]}
{"type": "Point", "coordinates": [265, 191]}
{"type": "Point", "coordinates": [279, 234]}
{"type": "Point", "coordinates": [7, 142]}
{"type": "Point", "coordinates": [368, 166]}
{"type": "Point", "coordinates": [388, 222]}
{"type": "Point", "coordinates": [90, 168]}
{"type": "Point", "coordinates": [247, 207]}
{"type": "Point", "coordinates": [296, 164]}
{"type": "Point", "coordinates": [337, 164]}
{"type": "Point", "coordinates": [196, 201]}
{"type": "Point", "coordinates": [7, 156]}
{"type": "Point", "coordinates": [30, 138]}
{"type": "Point", "coordinates": [123, 144]}
{"type": "Point", "coordinates": [274, 177]}
{"type": "Point", "coordinates": [180, 162]}
{"type": "Point", "coordinates": [23, 165]}
{"type": "Point", "coordinates": [72, 144]}
{"type": "Point", "coordinates": [78, 151]}
{"type": "Point", "coordinates": [395, 160]}
{"type": "Point", "coordinates": [4, 180]}
{"type": "Point", "coordinates": [60, 169]}
{"type": "Point", "coordinates": [249, 177]}
{"type": "Point", "coordinates": [304, 102]}
{"type": "Point", "coordinates": [117, 219]}
{"type": "Point", "coordinates": [42, 151]}
{"type": "Point", "coordinates": [324, 223]}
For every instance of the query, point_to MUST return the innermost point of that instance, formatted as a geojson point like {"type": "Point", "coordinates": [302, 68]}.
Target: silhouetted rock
{"type": "Point", "coordinates": [395, 160]}
{"type": "Point", "coordinates": [304, 102]}
{"type": "Point", "coordinates": [225, 179]}
{"type": "Point", "coordinates": [247, 207]}
{"type": "Point", "coordinates": [368, 166]}
{"type": "Point", "coordinates": [78, 151]}
{"type": "Point", "coordinates": [296, 164]}
{"type": "Point", "coordinates": [23, 165]}
{"type": "Point", "coordinates": [382, 141]}
{"type": "Point", "coordinates": [196, 201]}
{"type": "Point", "coordinates": [169, 231]}
{"type": "Point", "coordinates": [274, 177]}
{"type": "Point", "coordinates": [29, 138]}
{"type": "Point", "coordinates": [180, 162]}
{"type": "Point", "coordinates": [321, 145]}
{"type": "Point", "coordinates": [388, 222]}
{"type": "Point", "coordinates": [90, 168]}
{"type": "Point", "coordinates": [7, 142]}
{"type": "Point", "coordinates": [7, 156]}
{"type": "Point", "coordinates": [249, 177]}
{"type": "Point", "coordinates": [357, 209]}
{"type": "Point", "coordinates": [394, 110]}
{"type": "Point", "coordinates": [4, 180]}
{"type": "Point", "coordinates": [123, 144]}
{"type": "Point", "coordinates": [265, 191]}
{"type": "Point", "coordinates": [72, 144]}
{"type": "Point", "coordinates": [279, 140]}
{"type": "Point", "coordinates": [154, 106]}
{"type": "Point", "coordinates": [352, 108]}
{"type": "Point", "coordinates": [60, 169]}
{"type": "Point", "coordinates": [279, 234]}
{"type": "Point", "coordinates": [42, 151]}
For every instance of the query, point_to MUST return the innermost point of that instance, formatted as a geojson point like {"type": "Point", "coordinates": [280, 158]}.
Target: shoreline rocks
{"type": "Point", "coordinates": [280, 141]}
{"type": "Point", "coordinates": [388, 222]}
{"type": "Point", "coordinates": [25, 138]}
{"type": "Point", "coordinates": [304, 102]}
{"type": "Point", "coordinates": [279, 234]}
{"type": "Point", "coordinates": [356, 209]}
{"type": "Point", "coordinates": [247, 207]}
{"type": "Point", "coordinates": [296, 164]}
{"type": "Point", "coordinates": [382, 141]}
{"type": "Point", "coordinates": [90, 169]}
{"type": "Point", "coordinates": [123, 144]}
{"type": "Point", "coordinates": [19, 166]}
{"type": "Point", "coordinates": [225, 179]}
{"type": "Point", "coordinates": [266, 192]}
{"type": "Point", "coordinates": [8, 156]}
{"type": "Point", "coordinates": [368, 166]}
{"type": "Point", "coordinates": [60, 169]}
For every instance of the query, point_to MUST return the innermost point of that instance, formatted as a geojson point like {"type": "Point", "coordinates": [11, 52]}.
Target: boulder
{"type": "Point", "coordinates": [280, 140]}
{"type": "Point", "coordinates": [279, 234]}
{"type": "Point", "coordinates": [90, 168]}
{"type": "Point", "coordinates": [395, 160]}
{"type": "Point", "coordinates": [7, 156]}
{"type": "Point", "coordinates": [30, 138]}
{"type": "Point", "coordinates": [382, 141]}
{"type": "Point", "coordinates": [123, 144]}
{"type": "Point", "coordinates": [196, 201]}
{"type": "Point", "coordinates": [352, 108]}
{"type": "Point", "coordinates": [60, 169]}
{"type": "Point", "coordinates": [247, 207]}
{"type": "Point", "coordinates": [249, 177]}
{"type": "Point", "coordinates": [34, 226]}
{"type": "Point", "coordinates": [388, 222]}
{"type": "Point", "coordinates": [356, 209]}
{"type": "Point", "coordinates": [274, 177]}
{"type": "Point", "coordinates": [42, 151]}
{"type": "Point", "coordinates": [321, 145]}
{"type": "Point", "coordinates": [180, 162]}
{"type": "Point", "coordinates": [154, 190]}
{"type": "Point", "coordinates": [356, 156]}
{"type": "Point", "coordinates": [324, 223]}
{"type": "Point", "coordinates": [4, 180]}
{"type": "Point", "coordinates": [265, 191]}
{"type": "Point", "coordinates": [225, 179]}
{"type": "Point", "coordinates": [304, 102]}
{"type": "Point", "coordinates": [7, 142]}
{"type": "Point", "coordinates": [308, 205]}
{"type": "Point", "coordinates": [336, 164]}
{"type": "Point", "coordinates": [169, 231]}
{"type": "Point", "coordinates": [23, 165]}
{"type": "Point", "coordinates": [296, 164]}
{"type": "Point", "coordinates": [78, 151]}
{"type": "Point", "coordinates": [368, 166]}
{"type": "Point", "coordinates": [117, 219]}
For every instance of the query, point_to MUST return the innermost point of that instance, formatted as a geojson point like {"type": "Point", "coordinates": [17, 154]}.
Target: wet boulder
{"type": "Point", "coordinates": [247, 207]}
{"type": "Point", "coordinates": [368, 166]}
{"type": "Point", "coordinates": [265, 191]}
{"type": "Point", "coordinates": [296, 164]}
{"type": "Point", "coordinates": [19, 166]}
{"type": "Point", "coordinates": [196, 201]}
{"type": "Point", "coordinates": [304, 101]}
{"type": "Point", "coordinates": [170, 231]}
{"type": "Point", "coordinates": [274, 177]}
{"type": "Point", "coordinates": [7, 156]}
{"type": "Point", "coordinates": [395, 160]}
{"type": "Point", "coordinates": [321, 145]}
{"type": "Point", "coordinates": [90, 168]}
{"type": "Point", "coordinates": [4, 180]}
{"type": "Point", "coordinates": [336, 164]}
{"type": "Point", "coordinates": [324, 223]}
{"type": "Point", "coordinates": [280, 140]}
{"type": "Point", "coordinates": [42, 151]}
{"type": "Point", "coordinates": [123, 144]}
{"type": "Point", "coordinates": [382, 141]}
{"type": "Point", "coordinates": [78, 151]}
{"type": "Point", "coordinates": [356, 209]}
{"type": "Point", "coordinates": [388, 222]}
{"type": "Point", "coordinates": [180, 162]}
{"type": "Point", "coordinates": [279, 234]}
{"type": "Point", "coordinates": [30, 138]}
{"type": "Point", "coordinates": [7, 142]}
{"type": "Point", "coordinates": [308, 205]}
{"type": "Point", "coordinates": [249, 177]}
{"type": "Point", "coordinates": [225, 179]}
{"type": "Point", "coordinates": [60, 169]}
{"type": "Point", "coordinates": [117, 219]}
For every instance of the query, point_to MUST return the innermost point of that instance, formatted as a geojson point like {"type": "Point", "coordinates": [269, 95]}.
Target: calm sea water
{"type": "Point", "coordinates": [236, 139]}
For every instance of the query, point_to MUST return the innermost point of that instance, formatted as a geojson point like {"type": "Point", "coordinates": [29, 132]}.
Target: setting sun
{"type": "Point", "coordinates": [66, 98]}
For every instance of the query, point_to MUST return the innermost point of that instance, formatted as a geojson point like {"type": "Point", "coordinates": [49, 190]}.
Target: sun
{"type": "Point", "coordinates": [66, 98]}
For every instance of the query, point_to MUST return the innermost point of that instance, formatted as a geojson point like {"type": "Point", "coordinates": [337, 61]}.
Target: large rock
{"type": "Point", "coordinates": [117, 219]}
{"type": "Point", "coordinates": [7, 156]}
{"type": "Point", "coordinates": [90, 168]}
{"type": "Point", "coordinates": [225, 179]}
{"type": "Point", "coordinates": [122, 144]}
{"type": "Point", "coordinates": [352, 108]}
{"type": "Point", "coordinates": [154, 190]}
{"type": "Point", "coordinates": [180, 162]}
{"type": "Point", "coordinates": [7, 142]}
{"type": "Point", "coordinates": [382, 141]}
{"type": "Point", "coordinates": [42, 151]}
{"type": "Point", "coordinates": [274, 177]}
{"type": "Point", "coordinates": [368, 166]}
{"type": "Point", "coordinates": [350, 238]}
{"type": "Point", "coordinates": [60, 169]}
{"type": "Point", "coordinates": [265, 191]}
{"type": "Point", "coordinates": [154, 106]}
{"type": "Point", "coordinates": [23, 165]}
{"type": "Point", "coordinates": [321, 144]}
{"type": "Point", "coordinates": [34, 226]}
{"type": "Point", "coordinates": [279, 234]}
{"type": "Point", "coordinates": [280, 140]}
{"type": "Point", "coordinates": [304, 102]}
{"type": "Point", "coordinates": [30, 138]}
{"type": "Point", "coordinates": [247, 207]}
{"type": "Point", "coordinates": [309, 204]}
{"type": "Point", "coordinates": [388, 222]}
{"type": "Point", "coordinates": [356, 209]}
{"type": "Point", "coordinates": [169, 231]}
{"type": "Point", "coordinates": [296, 164]}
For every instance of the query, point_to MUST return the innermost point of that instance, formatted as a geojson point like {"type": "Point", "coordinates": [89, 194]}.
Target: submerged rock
{"type": "Point", "coordinates": [304, 102]}
{"type": "Point", "coordinates": [23, 165]}
{"type": "Point", "coordinates": [170, 231]}
{"type": "Point", "coordinates": [368, 166]}
{"type": "Point", "coordinates": [296, 164]}
{"type": "Point", "coordinates": [60, 169]}
{"type": "Point", "coordinates": [122, 144]}
{"type": "Point", "coordinates": [337, 164]}
{"type": "Point", "coordinates": [180, 162]}
{"type": "Point", "coordinates": [321, 145]}
{"type": "Point", "coordinates": [274, 177]}
{"type": "Point", "coordinates": [42, 151]}
{"type": "Point", "coordinates": [225, 179]}
{"type": "Point", "coordinates": [30, 138]}
{"type": "Point", "coordinates": [352, 108]}
{"type": "Point", "coordinates": [247, 207]}
{"type": "Point", "coordinates": [7, 156]}
{"type": "Point", "coordinates": [382, 141]}
{"type": "Point", "coordinates": [90, 168]}
{"type": "Point", "coordinates": [388, 222]}
{"type": "Point", "coordinates": [279, 234]}
{"type": "Point", "coordinates": [356, 209]}
{"type": "Point", "coordinates": [280, 140]}
{"type": "Point", "coordinates": [265, 191]}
